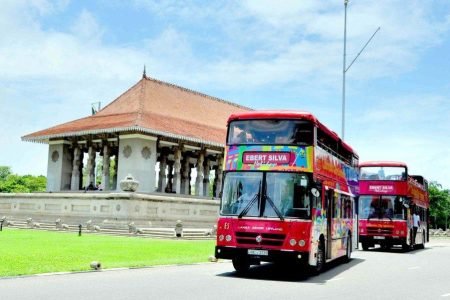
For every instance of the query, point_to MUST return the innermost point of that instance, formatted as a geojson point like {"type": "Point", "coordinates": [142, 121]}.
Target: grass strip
{"type": "Point", "coordinates": [24, 252]}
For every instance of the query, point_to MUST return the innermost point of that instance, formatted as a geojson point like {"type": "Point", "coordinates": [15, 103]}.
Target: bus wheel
{"type": "Point", "coordinates": [405, 247]}
{"type": "Point", "coordinates": [365, 246]}
{"type": "Point", "coordinates": [349, 249]}
{"type": "Point", "coordinates": [241, 264]}
{"type": "Point", "coordinates": [320, 260]}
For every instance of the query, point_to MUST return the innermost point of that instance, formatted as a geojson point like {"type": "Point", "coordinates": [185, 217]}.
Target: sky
{"type": "Point", "coordinates": [57, 57]}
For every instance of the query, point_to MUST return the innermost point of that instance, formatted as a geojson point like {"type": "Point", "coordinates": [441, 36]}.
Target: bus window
{"type": "Point", "coordinates": [271, 132]}
{"type": "Point", "coordinates": [347, 209]}
{"type": "Point", "coordinates": [289, 194]}
{"type": "Point", "coordinates": [239, 190]}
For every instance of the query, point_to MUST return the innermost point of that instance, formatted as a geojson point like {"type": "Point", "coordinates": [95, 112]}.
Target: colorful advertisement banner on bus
{"type": "Point", "coordinates": [269, 158]}
{"type": "Point", "coordinates": [342, 176]}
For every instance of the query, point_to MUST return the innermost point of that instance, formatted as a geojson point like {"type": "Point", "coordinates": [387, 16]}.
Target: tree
{"type": "Point", "coordinates": [13, 183]}
{"type": "Point", "coordinates": [439, 204]}
{"type": "Point", "coordinates": [4, 172]}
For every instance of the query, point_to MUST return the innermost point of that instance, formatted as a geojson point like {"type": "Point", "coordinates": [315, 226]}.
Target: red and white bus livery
{"type": "Point", "coordinates": [388, 199]}
{"type": "Point", "coordinates": [288, 191]}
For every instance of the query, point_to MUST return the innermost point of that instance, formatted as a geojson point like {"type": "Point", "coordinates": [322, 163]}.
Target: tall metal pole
{"type": "Point", "coordinates": [344, 69]}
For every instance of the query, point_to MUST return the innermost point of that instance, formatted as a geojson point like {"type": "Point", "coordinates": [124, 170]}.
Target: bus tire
{"type": "Point", "coordinates": [318, 268]}
{"type": "Point", "coordinates": [405, 247]}
{"type": "Point", "coordinates": [241, 264]}
{"type": "Point", "coordinates": [348, 254]}
{"type": "Point", "coordinates": [365, 246]}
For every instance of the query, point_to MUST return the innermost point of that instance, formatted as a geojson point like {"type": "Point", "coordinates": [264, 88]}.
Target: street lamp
{"type": "Point", "coordinates": [343, 69]}
{"type": "Point", "coordinates": [344, 66]}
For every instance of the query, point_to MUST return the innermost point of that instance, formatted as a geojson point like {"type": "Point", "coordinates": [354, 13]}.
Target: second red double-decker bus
{"type": "Point", "coordinates": [288, 191]}
{"type": "Point", "coordinates": [388, 199]}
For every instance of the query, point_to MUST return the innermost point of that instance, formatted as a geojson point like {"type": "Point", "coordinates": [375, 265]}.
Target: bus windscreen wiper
{"type": "Point", "coordinates": [248, 206]}
{"type": "Point", "coordinates": [279, 214]}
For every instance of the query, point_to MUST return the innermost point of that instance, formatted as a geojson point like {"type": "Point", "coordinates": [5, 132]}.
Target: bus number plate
{"type": "Point", "coordinates": [379, 237]}
{"type": "Point", "coordinates": [258, 252]}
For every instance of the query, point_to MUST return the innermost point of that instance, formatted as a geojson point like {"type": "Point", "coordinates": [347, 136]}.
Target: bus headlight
{"type": "Point", "coordinates": [397, 232]}
{"type": "Point", "coordinates": [292, 242]}
{"type": "Point", "coordinates": [221, 237]}
{"type": "Point", "coordinates": [228, 238]}
{"type": "Point", "coordinates": [301, 243]}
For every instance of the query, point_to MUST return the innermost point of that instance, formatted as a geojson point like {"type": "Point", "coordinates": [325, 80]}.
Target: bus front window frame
{"type": "Point", "coordinates": [271, 132]}
{"type": "Point", "coordinates": [288, 192]}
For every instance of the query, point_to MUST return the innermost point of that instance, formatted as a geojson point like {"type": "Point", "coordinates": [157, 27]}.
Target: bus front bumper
{"type": "Point", "coordinates": [261, 255]}
{"type": "Point", "coordinates": [382, 240]}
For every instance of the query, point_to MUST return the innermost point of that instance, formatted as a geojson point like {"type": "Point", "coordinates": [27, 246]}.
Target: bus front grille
{"type": "Point", "coordinates": [260, 239]}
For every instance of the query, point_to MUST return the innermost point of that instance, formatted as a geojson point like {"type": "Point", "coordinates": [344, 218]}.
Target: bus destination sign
{"type": "Point", "coordinates": [266, 158]}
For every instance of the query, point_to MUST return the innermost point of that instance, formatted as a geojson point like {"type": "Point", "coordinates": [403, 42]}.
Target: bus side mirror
{"type": "Point", "coordinates": [407, 202]}
{"type": "Point", "coordinates": [315, 192]}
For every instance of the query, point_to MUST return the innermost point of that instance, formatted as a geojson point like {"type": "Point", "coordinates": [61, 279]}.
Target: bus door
{"type": "Point", "coordinates": [329, 202]}
{"type": "Point", "coordinates": [355, 230]}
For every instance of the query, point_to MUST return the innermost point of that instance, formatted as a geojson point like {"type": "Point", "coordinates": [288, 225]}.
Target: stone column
{"type": "Point", "coordinates": [162, 171]}
{"type": "Point", "coordinates": [185, 178]}
{"type": "Point", "coordinates": [75, 182]}
{"type": "Point", "coordinates": [200, 174]}
{"type": "Point", "coordinates": [219, 176]}
{"type": "Point", "coordinates": [116, 168]}
{"type": "Point", "coordinates": [169, 185]}
{"type": "Point", "coordinates": [206, 170]}
{"type": "Point", "coordinates": [91, 167]}
{"type": "Point", "coordinates": [80, 186]}
{"type": "Point", "coordinates": [105, 173]}
{"type": "Point", "coordinates": [177, 171]}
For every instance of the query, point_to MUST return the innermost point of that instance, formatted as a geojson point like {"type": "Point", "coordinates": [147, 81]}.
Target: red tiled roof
{"type": "Point", "coordinates": [154, 107]}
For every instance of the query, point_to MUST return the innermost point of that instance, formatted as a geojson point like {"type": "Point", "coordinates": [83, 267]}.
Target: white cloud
{"type": "Point", "coordinates": [87, 28]}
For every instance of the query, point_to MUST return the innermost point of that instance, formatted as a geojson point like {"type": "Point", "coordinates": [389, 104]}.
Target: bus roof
{"type": "Point", "coordinates": [288, 114]}
{"type": "Point", "coordinates": [382, 164]}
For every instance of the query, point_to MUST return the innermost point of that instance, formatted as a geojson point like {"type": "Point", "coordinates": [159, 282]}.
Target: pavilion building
{"type": "Point", "coordinates": [160, 133]}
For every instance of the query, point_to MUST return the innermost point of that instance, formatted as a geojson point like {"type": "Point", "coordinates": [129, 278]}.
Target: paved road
{"type": "Point", "coordinates": [421, 274]}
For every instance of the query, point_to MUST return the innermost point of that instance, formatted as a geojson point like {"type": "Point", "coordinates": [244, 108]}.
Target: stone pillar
{"type": "Point", "coordinates": [137, 156]}
{"type": "Point", "coordinates": [185, 179]}
{"type": "Point", "coordinates": [105, 173]}
{"type": "Point", "coordinates": [75, 181]}
{"type": "Point", "coordinates": [177, 171]}
{"type": "Point", "coordinates": [206, 170]}
{"type": "Point", "coordinates": [200, 174]}
{"type": "Point", "coordinates": [59, 166]}
{"type": "Point", "coordinates": [190, 179]}
{"type": "Point", "coordinates": [219, 176]}
{"type": "Point", "coordinates": [81, 168]}
{"type": "Point", "coordinates": [162, 171]}
{"type": "Point", "coordinates": [91, 167]}
{"type": "Point", "coordinates": [116, 167]}
{"type": "Point", "coordinates": [169, 184]}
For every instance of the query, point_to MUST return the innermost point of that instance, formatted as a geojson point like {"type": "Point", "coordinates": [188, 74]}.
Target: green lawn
{"type": "Point", "coordinates": [32, 251]}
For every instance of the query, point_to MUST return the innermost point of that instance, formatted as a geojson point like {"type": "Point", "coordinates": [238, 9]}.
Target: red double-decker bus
{"type": "Point", "coordinates": [288, 192]}
{"type": "Point", "coordinates": [389, 197]}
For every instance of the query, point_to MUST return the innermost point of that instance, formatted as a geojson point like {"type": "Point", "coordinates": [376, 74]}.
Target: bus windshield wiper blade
{"type": "Point", "coordinates": [279, 214]}
{"type": "Point", "coordinates": [248, 206]}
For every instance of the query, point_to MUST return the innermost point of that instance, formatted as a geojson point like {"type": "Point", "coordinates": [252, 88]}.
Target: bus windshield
{"type": "Point", "coordinates": [379, 207]}
{"type": "Point", "coordinates": [271, 132]}
{"type": "Point", "coordinates": [284, 196]}
{"type": "Point", "coordinates": [382, 173]}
